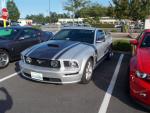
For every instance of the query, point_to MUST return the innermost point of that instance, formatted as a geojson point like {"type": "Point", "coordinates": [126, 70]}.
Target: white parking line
{"type": "Point", "coordinates": [106, 100]}
{"type": "Point", "coordinates": [9, 76]}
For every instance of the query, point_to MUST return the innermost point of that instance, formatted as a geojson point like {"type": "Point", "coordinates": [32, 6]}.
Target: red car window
{"type": "Point", "coordinates": [146, 40]}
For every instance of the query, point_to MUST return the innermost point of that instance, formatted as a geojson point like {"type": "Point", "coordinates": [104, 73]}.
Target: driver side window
{"type": "Point", "coordinates": [28, 33]}
{"type": "Point", "coordinates": [146, 41]}
{"type": "Point", "coordinates": [140, 37]}
{"type": "Point", "coordinates": [100, 36]}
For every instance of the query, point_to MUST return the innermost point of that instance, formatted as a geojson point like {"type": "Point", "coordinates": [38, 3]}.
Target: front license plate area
{"type": "Point", "coordinates": [37, 76]}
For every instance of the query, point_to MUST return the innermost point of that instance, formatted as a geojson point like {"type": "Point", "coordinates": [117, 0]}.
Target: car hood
{"type": "Point", "coordinates": [53, 49]}
{"type": "Point", "coordinates": [143, 57]}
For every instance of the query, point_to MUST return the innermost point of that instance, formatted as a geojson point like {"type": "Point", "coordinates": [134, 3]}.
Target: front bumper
{"type": "Point", "coordinates": [57, 76]}
{"type": "Point", "coordinates": [140, 90]}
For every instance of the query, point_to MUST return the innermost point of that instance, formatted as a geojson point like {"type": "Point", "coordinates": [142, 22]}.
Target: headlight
{"type": "Point", "coordinates": [71, 64]}
{"type": "Point", "coordinates": [28, 60]}
{"type": "Point", "coordinates": [141, 75]}
{"type": "Point", "coordinates": [55, 64]}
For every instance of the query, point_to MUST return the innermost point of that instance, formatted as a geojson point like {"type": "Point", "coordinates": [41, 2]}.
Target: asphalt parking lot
{"type": "Point", "coordinates": [19, 95]}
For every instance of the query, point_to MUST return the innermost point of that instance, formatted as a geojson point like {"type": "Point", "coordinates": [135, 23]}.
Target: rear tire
{"type": "Point", "coordinates": [4, 58]}
{"type": "Point", "coordinates": [88, 71]}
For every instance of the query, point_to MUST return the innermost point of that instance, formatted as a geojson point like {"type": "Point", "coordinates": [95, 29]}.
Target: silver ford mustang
{"type": "Point", "coordinates": [70, 57]}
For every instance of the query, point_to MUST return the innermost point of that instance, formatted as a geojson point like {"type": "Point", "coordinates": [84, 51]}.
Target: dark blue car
{"type": "Point", "coordinates": [13, 40]}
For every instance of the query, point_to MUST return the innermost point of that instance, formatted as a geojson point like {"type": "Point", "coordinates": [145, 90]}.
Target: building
{"type": "Point", "coordinates": [108, 20]}
{"type": "Point", "coordinates": [103, 20]}
{"type": "Point", "coordinates": [24, 22]}
{"type": "Point", "coordinates": [70, 20]}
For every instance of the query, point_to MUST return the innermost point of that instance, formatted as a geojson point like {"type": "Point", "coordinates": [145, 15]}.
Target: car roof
{"type": "Point", "coordinates": [82, 28]}
{"type": "Point", "coordinates": [17, 27]}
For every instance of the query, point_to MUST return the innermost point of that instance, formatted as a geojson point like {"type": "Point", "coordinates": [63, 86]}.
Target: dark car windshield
{"type": "Point", "coordinates": [146, 41]}
{"type": "Point", "coordinates": [75, 35]}
{"type": "Point", "coordinates": [8, 33]}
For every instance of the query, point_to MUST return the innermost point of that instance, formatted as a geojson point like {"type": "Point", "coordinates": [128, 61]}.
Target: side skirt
{"type": "Point", "coordinates": [100, 61]}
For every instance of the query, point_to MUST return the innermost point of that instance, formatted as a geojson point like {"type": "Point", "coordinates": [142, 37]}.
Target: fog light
{"type": "Point", "coordinates": [55, 64]}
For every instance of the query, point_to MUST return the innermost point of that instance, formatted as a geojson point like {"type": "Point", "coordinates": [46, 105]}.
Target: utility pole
{"type": "Point", "coordinates": [73, 16]}
{"type": "Point", "coordinates": [49, 11]}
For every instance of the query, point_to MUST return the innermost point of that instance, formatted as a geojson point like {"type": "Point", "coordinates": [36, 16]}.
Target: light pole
{"type": "Point", "coordinates": [49, 11]}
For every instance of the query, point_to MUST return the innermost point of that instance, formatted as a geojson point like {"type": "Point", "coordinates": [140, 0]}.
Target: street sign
{"type": "Point", "coordinates": [5, 13]}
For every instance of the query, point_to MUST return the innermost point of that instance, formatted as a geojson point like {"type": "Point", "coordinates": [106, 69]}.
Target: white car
{"type": "Point", "coordinates": [70, 57]}
{"type": "Point", "coordinates": [118, 26]}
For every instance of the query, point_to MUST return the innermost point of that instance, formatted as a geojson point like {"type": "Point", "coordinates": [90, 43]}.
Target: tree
{"type": "Point", "coordinates": [95, 10]}
{"type": "Point", "coordinates": [40, 18]}
{"type": "Point", "coordinates": [13, 11]}
{"type": "Point", "coordinates": [74, 6]}
{"type": "Point", "coordinates": [54, 17]}
{"type": "Point", "coordinates": [110, 10]}
{"type": "Point", "coordinates": [121, 9]}
{"type": "Point", "coordinates": [130, 9]}
{"type": "Point", "coordinates": [93, 13]}
{"type": "Point", "coordinates": [37, 18]}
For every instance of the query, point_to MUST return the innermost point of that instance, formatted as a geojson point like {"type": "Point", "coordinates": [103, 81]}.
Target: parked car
{"type": "Point", "coordinates": [118, 26]}
{"type": "Point", "coordinates": [13, 40]}
{"type": "Point", "coordinates": [69, 57]}
{"type": "Point", "coordinates": [14, 23]}
{"type": "Point", "coordinates": [48, 35]}
{"type": "Point", "coordinates": [140, 69]}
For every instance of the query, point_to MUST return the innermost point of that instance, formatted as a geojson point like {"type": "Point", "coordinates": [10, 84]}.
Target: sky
{"type": "Point", "coordinates": [27, 7]}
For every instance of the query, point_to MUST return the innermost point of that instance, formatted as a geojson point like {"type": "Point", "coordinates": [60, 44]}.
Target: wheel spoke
{"type": "Point", "coordinates": [4, 59]}
{"type": "Point", "coordinates": [88, 70]}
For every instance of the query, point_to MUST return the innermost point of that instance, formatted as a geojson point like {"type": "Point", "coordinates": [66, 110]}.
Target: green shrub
{"type": "Point", "coordinates": [122, 45]}
{"type": "Point", "coordinates": [113, 30]}
{"type": "Point", "coordinates": [37, 27]}
{"type": "Point", "coordinates": [99, 25]}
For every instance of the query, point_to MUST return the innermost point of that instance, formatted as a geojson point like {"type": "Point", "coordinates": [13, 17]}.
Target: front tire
{"type": "Point", "coordinates": [4, 58]}
{"type": "Point", "coordinates": [88, 71]}
{"type": "Point", "coordinates": [110, 53]}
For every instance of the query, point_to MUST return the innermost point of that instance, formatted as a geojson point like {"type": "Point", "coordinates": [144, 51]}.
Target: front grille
{"type": "Point", "coordinates": [46, 79]}
{"type": "Point", "coordinates": [41, 62]}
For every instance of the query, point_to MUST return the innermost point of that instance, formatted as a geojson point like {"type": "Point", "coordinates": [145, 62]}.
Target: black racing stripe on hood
{"type": "Point", "coordinates": [66, 51]}
{"type": "Point", "coordinates": [47, 51]}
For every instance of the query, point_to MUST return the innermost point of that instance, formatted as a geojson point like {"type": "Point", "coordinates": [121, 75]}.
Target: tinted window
{"type": "Point", "coordinates": [76, 35]}
{"type": "Point", "coordinates": [146, 41]}
{"type": "Point", "coordinates": [8, 33]}
{"type": "Point", "coordinates": [140, 37]}
{"type": "Point", "coordinates": [100, 35]}
{"type": "Point", "coordinates": [28, 33]}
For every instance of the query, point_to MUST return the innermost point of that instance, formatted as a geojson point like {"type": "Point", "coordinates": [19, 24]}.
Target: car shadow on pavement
{"type": "Point", "coordinates": [102, 77]}
{"type": "Point", "coordinates": [17, 68]}
{"type": "Point", "coordinates": [7, 102]}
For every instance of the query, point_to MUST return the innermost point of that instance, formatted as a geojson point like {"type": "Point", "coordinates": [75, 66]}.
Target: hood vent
{"type": "Point", "coordinates": [53, 45]}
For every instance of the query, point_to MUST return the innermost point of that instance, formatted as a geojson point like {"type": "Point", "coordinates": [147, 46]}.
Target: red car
{"type": "Point", "coordinates": [140, 69]}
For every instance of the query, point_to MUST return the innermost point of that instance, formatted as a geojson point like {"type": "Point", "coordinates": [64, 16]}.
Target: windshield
{"type": "Point", "coordinates": [75, 35]}
{"type": "Point", "coordinates": [8, 33]}
{"type": "Point", "coordinates": [146, 41]}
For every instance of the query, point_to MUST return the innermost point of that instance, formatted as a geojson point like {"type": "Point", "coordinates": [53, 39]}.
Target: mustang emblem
{"type": "Point", "coordinates": [40, 61]}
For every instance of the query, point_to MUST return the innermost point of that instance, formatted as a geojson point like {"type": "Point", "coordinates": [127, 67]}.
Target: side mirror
{"type": "Point", "coordinates": [21, 38]}
{"type": "Point", "coordinates": [109, 33]}
{"type": "Point", "coordinates": [100, 41]}
{"type": "Point", "coordinates": [24, 37]}
{"type": "Point", "coordinates": [134, 42]}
